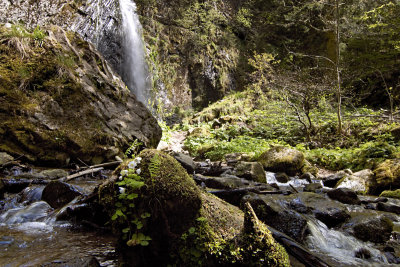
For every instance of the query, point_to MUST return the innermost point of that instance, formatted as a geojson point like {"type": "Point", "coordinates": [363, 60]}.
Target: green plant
{"type": "Point", "coordinates": [133, 148]}
{"type": "Point", "coordinates": [131, 220]}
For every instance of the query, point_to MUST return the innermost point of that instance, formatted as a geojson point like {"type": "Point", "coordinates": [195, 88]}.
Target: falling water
{"type": "Point", "coordinates": [134, 64]}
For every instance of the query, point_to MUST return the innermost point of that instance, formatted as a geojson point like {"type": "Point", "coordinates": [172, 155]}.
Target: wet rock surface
{"type": "Point", "coordinates": [376, 230]}
{"type": "Point", "coordinates": [344, 195]}
{"type": "Point", "coordinates": [57, 194]}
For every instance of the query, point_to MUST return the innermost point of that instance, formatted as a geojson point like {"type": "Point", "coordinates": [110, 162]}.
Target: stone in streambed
{"type": "Point", "coordinates": [376, 230]}
{"type": "Point", "coordinates": [282, 219]}
{"type": "Point", "coordinates": [391, 193]}
{"type": "Point", "coordinates": [312, 187]}
{"type": "Point", "coordinates": [388, 208]}
{"type": "Point", "coordinates": [358, 182]}
{"type": "Point", "coordinates": [329, 212]}
{"type": "Point", "coordinates": [57, 194]}
{"type": "Point", "coordinates": [345, 196]}
{"type": "Point", "coordinates": [186, 161]}
{"type": "Point", "coordinates": [253, 171]}
{"type": "Point", "coordinates": [332, 180]}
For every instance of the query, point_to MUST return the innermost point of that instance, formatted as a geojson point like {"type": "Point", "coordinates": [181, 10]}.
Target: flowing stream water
{"type": "Point", "coordinates": [134, 64]}
{"type": "Point", "coordinates": [30, 235]}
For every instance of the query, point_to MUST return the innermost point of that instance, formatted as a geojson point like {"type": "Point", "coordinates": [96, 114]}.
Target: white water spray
{"type": "Point", "coordinates": [134, 64]}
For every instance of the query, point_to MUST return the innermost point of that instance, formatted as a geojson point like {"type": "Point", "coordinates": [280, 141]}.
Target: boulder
{"type": "Point", "coordinates": [68, 105]}
{"type": "Point", "coordinates": [332, 216]}
{"type": "Point", "coordinates": [388, 207]}
{"type": "Point", "coordinates": [344, 195]}
{"type": "Point", "coordinates": [387, 176]}
{"type": "Point", "coordinates": [282, 219]}
{"type": "Point", "coordinates": [391, 193]}
{"type": "Point", "coordinates": [332, 180]}
{"type": "Point", "coordinates": [358, 182]}
{"type": "Point", "coordinates": [307, 176]}
{"type": "Point", "coordinates": [225, 182]}
{"type": "Point", "coordinates": [58, 194]}
{"type": "Point", "coordinates": [330, 213]}
{"type": "Point", "coordinates": [312, 187]}
{"type": "Point", "coordinates": [250, 170]}
{"type": "Point", "coordinates": [186, 161]}
{"type": "Point", "coordinates": [176, 223]}
{"type": "Point", "coordinates": [282, 177]}
{"type": "Point", "coordinates": [233, 158]}
{"type": "Point", "coordinates": [282, 159]}
{"type": "Point", "coordinates": [376, 230]}
{"type": "Point", "coordinates": [15, 185]}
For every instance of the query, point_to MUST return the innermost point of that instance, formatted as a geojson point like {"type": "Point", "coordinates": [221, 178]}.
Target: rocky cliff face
{"type": "Point", "coordinates": [97, 21]}
{"type": "Point", "coordinates": [60, 101]}
{"type": "Point", "coordinates": [191, 55]}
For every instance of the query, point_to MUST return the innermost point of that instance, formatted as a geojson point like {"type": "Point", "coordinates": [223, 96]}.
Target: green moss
{"type": "Point", "coordinates": [391, 193]}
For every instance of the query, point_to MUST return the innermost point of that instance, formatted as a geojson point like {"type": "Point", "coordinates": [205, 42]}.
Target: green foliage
{"type": "Point", "coordinates": [243, 17]}
{"type": "Point", "coordinates": [133, 149]}
{"type": "Point", "coordinates": [367, 155]}
{"type": "Point", "coordinates": [131, 220]}
{"type": "Point", "coordinates": [20, 31]}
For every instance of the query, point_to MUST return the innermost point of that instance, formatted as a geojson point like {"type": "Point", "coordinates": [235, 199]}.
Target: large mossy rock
{"type": "Point", "coordinates": [387, 176]}
{"type": "Point", "coordinates": [282, 159]}
{"type": "Point", "coordinates": [179, 224]}
{"type": "Point", "coordinates": [60, 101]}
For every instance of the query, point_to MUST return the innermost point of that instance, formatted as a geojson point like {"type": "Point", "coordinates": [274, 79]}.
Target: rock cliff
{"type": "Point", "coordinates": [59, 100]}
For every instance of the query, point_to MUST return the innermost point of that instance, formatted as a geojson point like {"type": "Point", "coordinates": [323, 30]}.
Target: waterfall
{"type": "Point", "coordinates": [133, 63]}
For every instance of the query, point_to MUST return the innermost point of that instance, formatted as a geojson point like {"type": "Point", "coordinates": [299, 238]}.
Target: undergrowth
{"type": "Point", "coordinates": [246, 122]}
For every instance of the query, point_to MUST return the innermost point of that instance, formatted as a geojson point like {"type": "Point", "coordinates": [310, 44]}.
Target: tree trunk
{"type": "Point", "coordinates": [339, 89]}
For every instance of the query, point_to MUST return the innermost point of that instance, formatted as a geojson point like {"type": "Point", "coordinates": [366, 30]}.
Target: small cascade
{"type": "Point", "coordinates": [271, 179]}
{"type": "Point", "coordinates": [134, 66]}
{"type": "Point", "coordinates": [341, 247]}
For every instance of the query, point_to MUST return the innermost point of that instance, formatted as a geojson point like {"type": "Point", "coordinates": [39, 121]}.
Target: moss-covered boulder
{"type": "Point", "coordinates": [282, 159]}
{"type": "Point", "coordinates": [391, 193]}
{"type": "Point", "coordinates": [60, 101]}
{"type": "Point", "coordinates": [387, 176]}
{"type": "Point", "coordinates": [161, 217]}
{"type": "Point", "coordinates": [250, 170]}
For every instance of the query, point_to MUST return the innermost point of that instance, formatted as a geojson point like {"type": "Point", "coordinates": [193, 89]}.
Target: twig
{"type": "Point", "coordinates": [107, 164]}
{"type": "Point", "coordinates": [75, 175]}
{"type": "Point", "coordinates": [295, 190]}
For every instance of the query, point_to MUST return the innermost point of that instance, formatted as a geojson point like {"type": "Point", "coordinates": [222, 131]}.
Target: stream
{"type": "Point", "coordinates": [30, 234]}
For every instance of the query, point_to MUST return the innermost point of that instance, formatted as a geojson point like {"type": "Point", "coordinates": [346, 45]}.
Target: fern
{"type": "Point", "coordinates": [154, 166]}
{"type": "Point", "coordinates": [133, 150]}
